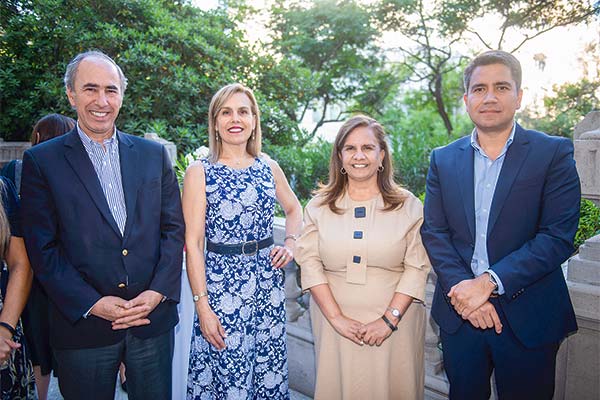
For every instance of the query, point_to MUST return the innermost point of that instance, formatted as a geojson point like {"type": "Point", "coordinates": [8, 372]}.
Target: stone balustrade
{"type": "Point", "coordinates": [12, 150]}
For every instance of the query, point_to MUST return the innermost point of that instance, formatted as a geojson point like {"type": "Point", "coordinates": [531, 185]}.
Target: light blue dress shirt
{"type": "Point", "coordinates": [486, 172]}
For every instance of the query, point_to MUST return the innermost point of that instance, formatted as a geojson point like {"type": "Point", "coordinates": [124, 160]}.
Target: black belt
{"type": "Point", "coordinates": [248, 248]}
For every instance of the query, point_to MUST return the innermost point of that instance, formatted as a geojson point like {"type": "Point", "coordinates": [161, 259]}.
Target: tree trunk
{"type": "Point", "coordinates": [439, 102]}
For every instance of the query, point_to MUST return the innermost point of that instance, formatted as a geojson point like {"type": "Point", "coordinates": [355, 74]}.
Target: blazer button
{"type": "Point", "coordinates": [124, 252]}
{"type": "Point", "coordinates": [121, 285]}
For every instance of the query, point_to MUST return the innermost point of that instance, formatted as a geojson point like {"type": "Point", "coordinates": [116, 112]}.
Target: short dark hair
{"type": "Point", "coordinates": [51, 126]}
{"type": "Point", "coordinates": [494, 57]}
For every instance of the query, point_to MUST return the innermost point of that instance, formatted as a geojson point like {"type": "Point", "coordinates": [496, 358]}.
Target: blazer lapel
{"type": "Point", "coordinates": [465, 181]}
{"type": "Point", "coordinates": [130, 177]}
{"type": "Point", "coordinates": [79, 160]}
{"type": "Point", "coordinates": [514, 158]}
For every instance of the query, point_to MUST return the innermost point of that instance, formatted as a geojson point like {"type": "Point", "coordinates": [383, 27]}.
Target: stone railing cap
{"type": "Point", "coordinates": [590, 135]}
{"type": "Point", "coordinates": [591, 122]}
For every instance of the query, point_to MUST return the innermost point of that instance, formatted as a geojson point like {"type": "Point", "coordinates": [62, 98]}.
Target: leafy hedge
{"type": "Point", "coordinates": [589, 222]}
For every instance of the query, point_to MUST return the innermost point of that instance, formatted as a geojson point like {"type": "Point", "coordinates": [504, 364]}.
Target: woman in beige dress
{"type": "Point", "coordinates": [362, 259]}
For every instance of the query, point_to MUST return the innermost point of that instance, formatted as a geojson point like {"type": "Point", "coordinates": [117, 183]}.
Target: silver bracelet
{"type": "Point", "coordinates": [290, 236]}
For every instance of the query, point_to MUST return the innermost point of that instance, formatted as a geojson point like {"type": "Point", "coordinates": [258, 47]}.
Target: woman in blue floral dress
{"type": "Point", "coordinates": [238, 348]}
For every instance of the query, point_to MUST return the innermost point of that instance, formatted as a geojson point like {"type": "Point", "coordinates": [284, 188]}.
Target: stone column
{"type": "Point", "coordinates": [578, 364]}
{"type": "Point", "coordinates": [586, 139]}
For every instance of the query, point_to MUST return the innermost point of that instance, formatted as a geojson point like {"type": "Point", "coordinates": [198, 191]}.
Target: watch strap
{"type": "Point", "coordinates": [389, 324]}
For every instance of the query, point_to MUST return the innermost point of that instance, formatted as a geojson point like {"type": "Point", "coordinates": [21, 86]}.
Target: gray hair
{"type": "Point", "coordinates": [72, 67]}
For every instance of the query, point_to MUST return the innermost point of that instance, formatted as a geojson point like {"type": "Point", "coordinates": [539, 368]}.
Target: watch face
{"type": "Point", "coordinates": [395, 312]}
{"type": "Point", "coordinates": [196, 298]}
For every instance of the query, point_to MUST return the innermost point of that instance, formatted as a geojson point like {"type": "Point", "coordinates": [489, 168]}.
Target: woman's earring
{"type": "Point", "coordinates": [380, 168]}
{"type": "Point", "coordinates": [253, 136]}
{"type": "Point", "coordinates": [217, 135]}
{"type": "Point", "coordinates": [343, 171]}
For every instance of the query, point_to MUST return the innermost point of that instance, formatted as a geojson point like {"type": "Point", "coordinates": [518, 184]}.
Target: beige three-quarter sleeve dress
{"type": "Point", "coordinates": [366, 255]}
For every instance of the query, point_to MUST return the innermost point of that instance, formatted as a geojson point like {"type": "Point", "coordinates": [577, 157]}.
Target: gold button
{"type": "Point", "coordinates": [124, 252]}
{"type": "Point", "coordinates": [121, 285]}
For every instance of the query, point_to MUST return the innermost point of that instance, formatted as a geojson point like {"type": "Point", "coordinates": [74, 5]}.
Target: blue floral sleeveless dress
{"type": "Point", "coordinates": [245, 292]}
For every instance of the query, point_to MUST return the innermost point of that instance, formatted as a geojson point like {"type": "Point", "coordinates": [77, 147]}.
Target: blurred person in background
{"type": "Point", "coordinates": [16, 372]}
{"type": "Point", "coordinates": [35, 315]}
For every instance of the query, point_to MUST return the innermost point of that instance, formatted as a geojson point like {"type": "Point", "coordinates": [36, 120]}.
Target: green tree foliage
{"type": "Point", "coordinates": [427, 53]}
{"type": "Point", "coordinates": [334, 43]}
{"type": "Point", "coordinates": [415, 129]}
{"type": "Point", "coordinates": [431, 31]}
{"type": "Point", "coordinates": [174, 55]}
{"type": "Point", "coordinates": [305, 166]}
{"type": "Point", "coordinates": [523, 20]}
{"type": "Point", "coordinates": [567, 106]}
{"type": "Point", "coordinates": [589, 222]}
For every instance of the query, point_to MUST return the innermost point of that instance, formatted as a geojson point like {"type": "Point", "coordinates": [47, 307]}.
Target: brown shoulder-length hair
{"type": "Point", "coordinates": [4, 225]}
{"type": "Point", "coordinates": [392, 193]}
{"type": "Point", "coordinates": [253, 146]}
{"type": "Point", "coordinates": [51, 126]}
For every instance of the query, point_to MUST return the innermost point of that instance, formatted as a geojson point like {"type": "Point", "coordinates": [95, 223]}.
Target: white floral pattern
{"type": "Point", "coordinates": [245, 292]}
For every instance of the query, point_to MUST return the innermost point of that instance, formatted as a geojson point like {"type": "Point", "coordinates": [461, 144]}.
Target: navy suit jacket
{"type": "Point", "coordinates": [75, 246]}
{"type": "Point", "coordinates": [532, 223]}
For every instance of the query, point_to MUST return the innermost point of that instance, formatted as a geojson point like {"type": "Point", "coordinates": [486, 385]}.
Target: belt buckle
{"type": "Point", "coordinates": [251, 243]}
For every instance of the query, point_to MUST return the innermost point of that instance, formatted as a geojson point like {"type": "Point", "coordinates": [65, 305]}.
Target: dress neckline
{"type": "Point", "coordinates": [225, 166]}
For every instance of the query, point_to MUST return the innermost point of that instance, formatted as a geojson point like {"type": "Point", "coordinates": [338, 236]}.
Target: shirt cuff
{"type": "Point", "coordinates": [498, 281]}
{"type": "Point", "coordinates": [87, 313]}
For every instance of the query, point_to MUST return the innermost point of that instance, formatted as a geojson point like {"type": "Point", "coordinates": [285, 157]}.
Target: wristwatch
{"type": "Point", "coordinates": [493, 280]}
{"type": "Point", "coordinates": [197, 297]}
{"type": "Point", "coordinates": [395, 313]}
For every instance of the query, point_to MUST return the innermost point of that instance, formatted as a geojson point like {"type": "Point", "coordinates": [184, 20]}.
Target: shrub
{"type": "Point", "coordinates": [589, 222]}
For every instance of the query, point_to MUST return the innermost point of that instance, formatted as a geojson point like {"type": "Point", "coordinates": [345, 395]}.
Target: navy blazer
{"type": "Point", "coordinates": [532, 223]}
{"type": "Point", "coordinates": [76, 249]}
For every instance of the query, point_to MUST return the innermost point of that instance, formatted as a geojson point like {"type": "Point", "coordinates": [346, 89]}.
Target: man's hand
{"type": "Point", "coordinates": [486, 317]}
{"type": "Point", "coordinates": [375, 332]}
{"type": "Point", "coordinates": [468, 295]}
{"type": "Point", "coordinates": [137, 310]}
{"type": "Point", "coordinates": [109, 308]}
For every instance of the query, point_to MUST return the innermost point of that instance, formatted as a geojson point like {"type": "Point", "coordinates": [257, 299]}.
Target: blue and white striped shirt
{"type": "Point", "coordinates": [486, 173]}
{"type": "Point", "coordinates": [107, 164]}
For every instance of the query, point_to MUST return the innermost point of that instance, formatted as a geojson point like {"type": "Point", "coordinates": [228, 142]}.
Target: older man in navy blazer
{"type": "Point", "coordinates": [104, 231]}
{"type": "Point", "coordinates": [501, 211]}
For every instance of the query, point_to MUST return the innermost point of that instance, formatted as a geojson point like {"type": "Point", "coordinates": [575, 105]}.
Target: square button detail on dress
{"type": "Point", "coordinates": [360, 212]}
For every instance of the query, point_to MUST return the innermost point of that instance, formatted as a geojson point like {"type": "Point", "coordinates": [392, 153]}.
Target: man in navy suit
{"type": "Point", "coordinates": [501, 212]}
{"type": "Point", "coordinates": [104, 231]}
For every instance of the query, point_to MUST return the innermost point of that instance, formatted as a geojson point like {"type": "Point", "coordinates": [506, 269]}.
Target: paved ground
{"type": "Point", "coordinates": [54, 393]}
